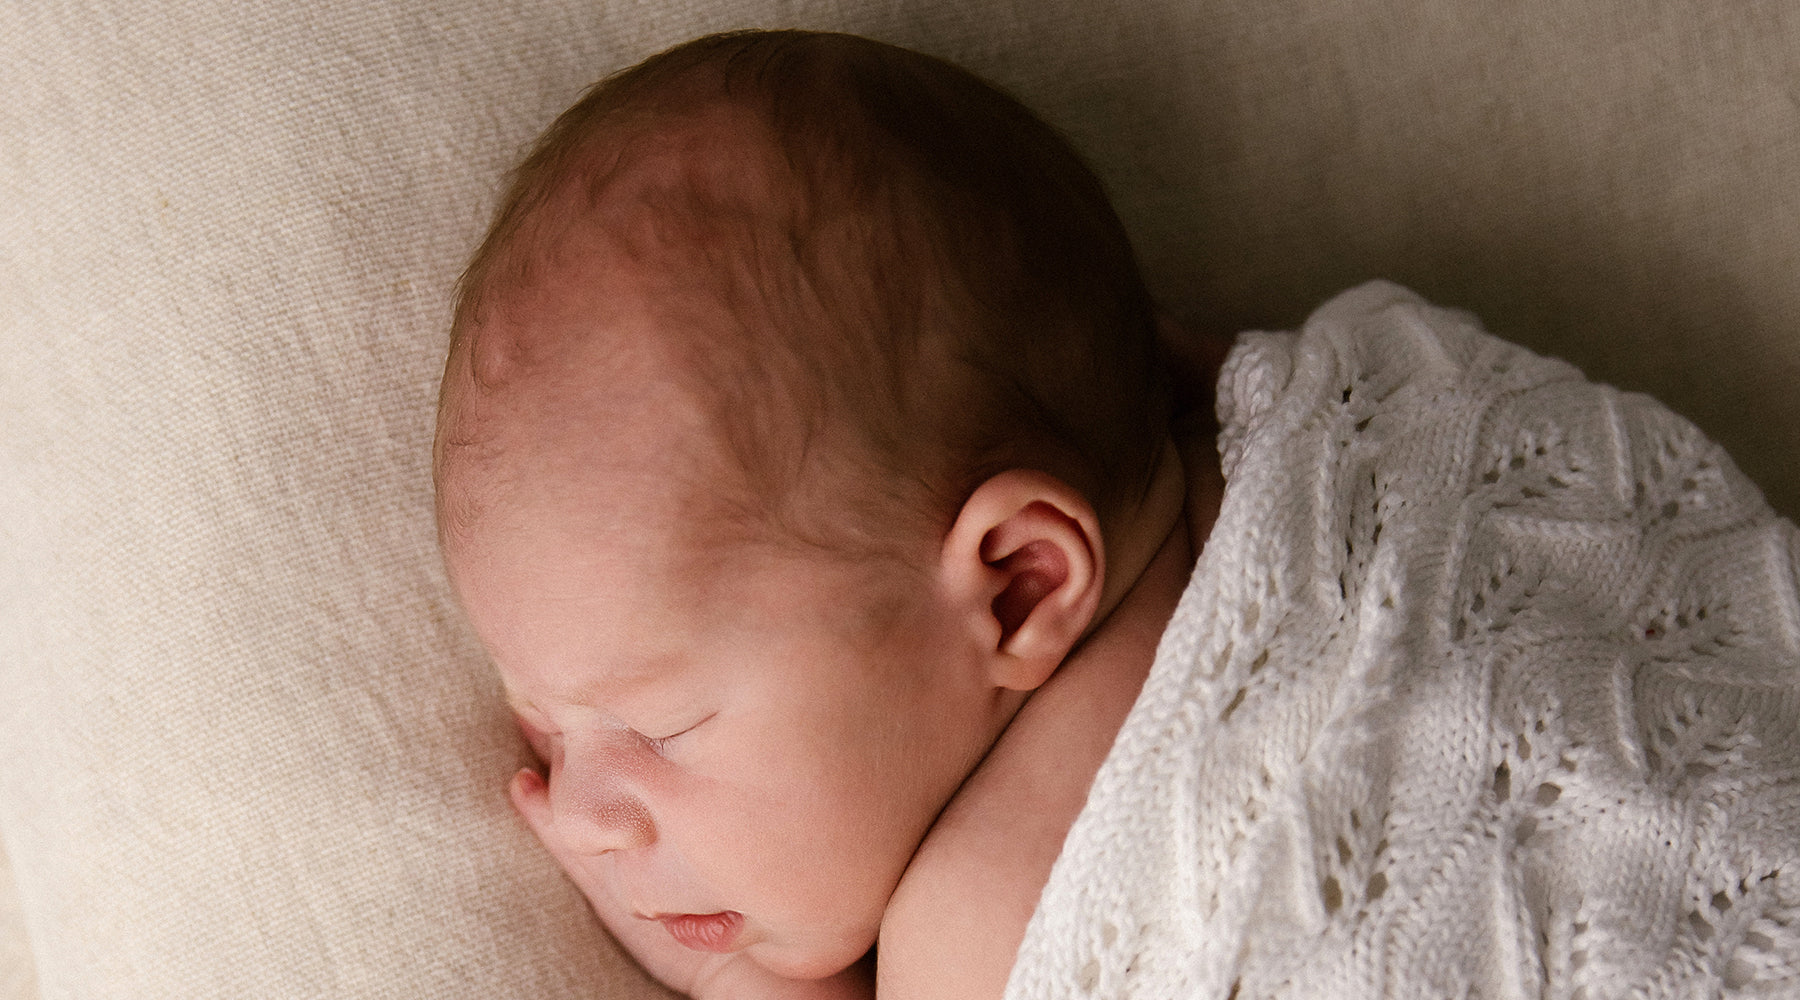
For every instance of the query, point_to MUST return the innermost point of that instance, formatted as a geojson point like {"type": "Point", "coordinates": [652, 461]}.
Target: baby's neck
{"type": "Point", "coordinates": [962, 907]}
{"type": "Point", "coordinates": [1106, 671]}
{"type": "Point", "coordinates": [1153, 550]}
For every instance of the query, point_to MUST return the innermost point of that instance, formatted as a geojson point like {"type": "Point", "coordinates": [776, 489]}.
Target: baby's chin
{"type": "Point", "coordinates": [812, 959]}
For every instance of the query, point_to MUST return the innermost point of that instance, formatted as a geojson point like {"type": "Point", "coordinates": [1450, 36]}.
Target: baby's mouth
{"type": "Point", "coordinates": [714, 932]}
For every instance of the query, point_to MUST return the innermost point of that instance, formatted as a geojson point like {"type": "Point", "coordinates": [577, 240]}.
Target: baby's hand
{"type": "Point", "coordinates": [696, 974]}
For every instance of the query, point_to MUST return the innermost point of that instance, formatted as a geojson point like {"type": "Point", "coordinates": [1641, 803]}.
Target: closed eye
{"type": "Point", "coordinates": [657, 743]}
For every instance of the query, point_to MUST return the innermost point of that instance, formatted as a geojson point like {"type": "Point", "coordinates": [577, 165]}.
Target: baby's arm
{"type": "Point", "coordinates": [695, 974]}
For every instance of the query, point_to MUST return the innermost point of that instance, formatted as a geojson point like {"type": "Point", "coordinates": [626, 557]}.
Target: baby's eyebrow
{"type": "Point", "coordinates": [606, 689]}
{"type": "Point", "coordinates": [589, 695]}
{"type": "Point", "coordinates": [623, 682]}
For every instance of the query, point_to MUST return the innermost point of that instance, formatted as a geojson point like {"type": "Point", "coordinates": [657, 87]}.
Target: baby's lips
{"type": "Point", "coordinates": [713, 932]}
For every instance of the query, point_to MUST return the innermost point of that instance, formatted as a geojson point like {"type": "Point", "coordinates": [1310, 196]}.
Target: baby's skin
{"type": "Point", "coordinates": [761, 759]}
{"type": "Point", "coordinates": [754, 462]}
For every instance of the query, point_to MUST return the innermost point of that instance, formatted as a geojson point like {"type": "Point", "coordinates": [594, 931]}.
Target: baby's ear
{"type": "Point", "coordinates": [1025, 559]}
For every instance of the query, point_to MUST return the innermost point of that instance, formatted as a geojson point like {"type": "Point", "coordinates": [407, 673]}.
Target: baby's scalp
{"type": "Point", "coordinates": [858, 264]}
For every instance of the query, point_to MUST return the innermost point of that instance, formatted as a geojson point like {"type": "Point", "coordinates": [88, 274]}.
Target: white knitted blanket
{"type": "Point", "coordinates": [1486, 685]}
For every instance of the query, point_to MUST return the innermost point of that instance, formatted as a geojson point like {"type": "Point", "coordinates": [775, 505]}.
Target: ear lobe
{"type": "Point", "coordinates": [1026, 548]}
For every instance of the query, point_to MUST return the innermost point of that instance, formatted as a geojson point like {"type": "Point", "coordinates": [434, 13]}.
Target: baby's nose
{"type": "Point", "coordinates": [598, 824]}
{"type": "Point", "coordinates": [595, 808]}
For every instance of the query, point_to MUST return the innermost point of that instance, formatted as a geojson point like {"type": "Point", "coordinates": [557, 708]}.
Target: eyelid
{"type": "Point", "coordinates": [657, 742]}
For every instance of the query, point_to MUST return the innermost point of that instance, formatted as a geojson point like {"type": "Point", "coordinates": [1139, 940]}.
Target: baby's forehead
{"type": "Point", "coordinates": [643, 240]}
{"type": "Point", "coordinates": [612, 425]}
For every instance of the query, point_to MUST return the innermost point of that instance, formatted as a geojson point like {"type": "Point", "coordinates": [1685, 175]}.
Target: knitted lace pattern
{"type": "Point", "coordinates": [1486, 685]}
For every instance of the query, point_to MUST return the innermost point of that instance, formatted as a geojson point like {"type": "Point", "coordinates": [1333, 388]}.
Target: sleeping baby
{"type": "Point", "coordinates": [815, 468]}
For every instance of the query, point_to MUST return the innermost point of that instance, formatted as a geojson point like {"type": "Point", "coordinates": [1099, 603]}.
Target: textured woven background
{"type": "Point", "coordinates": [247, 747]}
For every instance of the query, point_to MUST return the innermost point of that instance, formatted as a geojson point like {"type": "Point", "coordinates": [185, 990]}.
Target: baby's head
{"type": "Point", "coordinates": [794, 401]}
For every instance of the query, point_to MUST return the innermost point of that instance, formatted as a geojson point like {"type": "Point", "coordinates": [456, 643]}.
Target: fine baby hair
{"type": "Point", "coordinates": [871, 264]}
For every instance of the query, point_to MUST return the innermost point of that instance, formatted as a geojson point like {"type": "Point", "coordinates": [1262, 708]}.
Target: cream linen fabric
{"type": "Point", "coordinates": [247, 747]}
{"type": "Point", "coordinates": [16, 973]}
